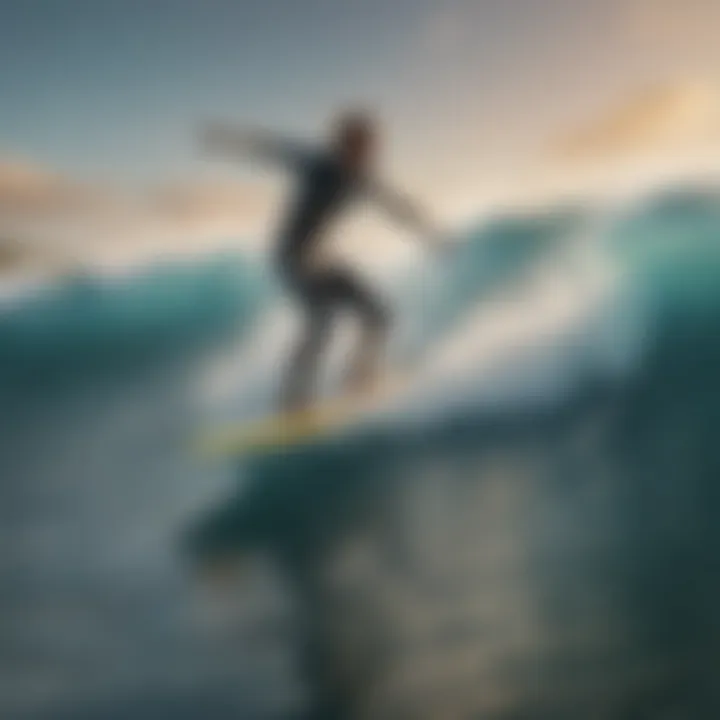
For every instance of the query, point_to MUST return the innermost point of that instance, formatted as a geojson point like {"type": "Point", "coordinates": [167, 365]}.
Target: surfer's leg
{"type": "Point", "coordinates": [366, 364]}
{"type": "Point", "coordinates": [347, 290]}
{"type": "Point", "coordinates": [322, 293]}
{"type": "Point", "coordinates": [300, 380]}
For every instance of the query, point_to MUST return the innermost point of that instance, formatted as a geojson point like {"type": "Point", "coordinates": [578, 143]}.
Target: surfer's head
{"type": "Point", "coordinates": [355, 136]}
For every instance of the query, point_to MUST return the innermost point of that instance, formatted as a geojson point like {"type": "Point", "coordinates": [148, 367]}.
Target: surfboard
{"type": "Point", "coordinates": [286, 430]}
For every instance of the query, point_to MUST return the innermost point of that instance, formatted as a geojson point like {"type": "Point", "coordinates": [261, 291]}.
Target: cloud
{"type": "Point", "coordinates": [232, 203]}
{"type": "Point", "coordinates": [47, 218]}
{"type": "Point", "coordinates": [657, 136]}
{"type": "Point", "coordinates": [662, 120]}
{"type": "Point", "coordinates": [28, 189]}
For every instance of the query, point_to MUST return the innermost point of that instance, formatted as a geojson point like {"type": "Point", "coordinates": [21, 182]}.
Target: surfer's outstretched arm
{"type": "Point", "coordinates": [406, 212]}
{"type": "Point", "coordinates": [251, 144]}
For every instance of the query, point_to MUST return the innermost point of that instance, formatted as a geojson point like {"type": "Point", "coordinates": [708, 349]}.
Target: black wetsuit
{"type": "Point", "coordinates": [325, 189]}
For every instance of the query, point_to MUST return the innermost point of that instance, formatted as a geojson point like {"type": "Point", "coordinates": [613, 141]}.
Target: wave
{"type": "Point", "coordinates": [94, 322]}
{"type": "Point", "coordinates": [561, 545]}
{"type": "Point", "coordinates": [647, 336]}
{"type": "Point", "coordinates": [530, 532]}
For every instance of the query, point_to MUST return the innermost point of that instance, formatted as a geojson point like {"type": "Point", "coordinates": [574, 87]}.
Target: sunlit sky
{"type": "Point", "coordinates": [109, 93]}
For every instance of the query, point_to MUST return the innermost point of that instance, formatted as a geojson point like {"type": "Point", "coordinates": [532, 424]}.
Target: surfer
{"type": "Point", "coordinates": [329, 180]}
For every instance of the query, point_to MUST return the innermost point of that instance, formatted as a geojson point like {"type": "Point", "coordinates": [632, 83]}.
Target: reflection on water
{"type": "Point", "coordinates": [554, 566]}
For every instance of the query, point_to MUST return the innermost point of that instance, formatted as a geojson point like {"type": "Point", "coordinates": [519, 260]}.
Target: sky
{"type": "Point", "coordinates": [101, 101]}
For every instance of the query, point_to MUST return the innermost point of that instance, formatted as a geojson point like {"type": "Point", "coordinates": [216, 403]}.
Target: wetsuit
{"type": "Point", "coordinates": [325, 187]}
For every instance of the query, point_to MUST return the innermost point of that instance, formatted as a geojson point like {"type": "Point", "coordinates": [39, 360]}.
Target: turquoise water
{"type": "Point", "coordinates": [533, 536]}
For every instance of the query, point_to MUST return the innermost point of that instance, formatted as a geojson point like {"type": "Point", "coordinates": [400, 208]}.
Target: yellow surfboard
{"type": "Point", "coordinates": [294, 428]}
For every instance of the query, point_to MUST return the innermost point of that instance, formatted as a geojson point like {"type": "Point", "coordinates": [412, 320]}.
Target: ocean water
{"type": "Point", "coordinates": [528, 530]}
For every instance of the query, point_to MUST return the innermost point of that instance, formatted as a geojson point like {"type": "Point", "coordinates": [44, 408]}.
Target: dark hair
{"type": "Point", "coordinates": [354, 123]}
